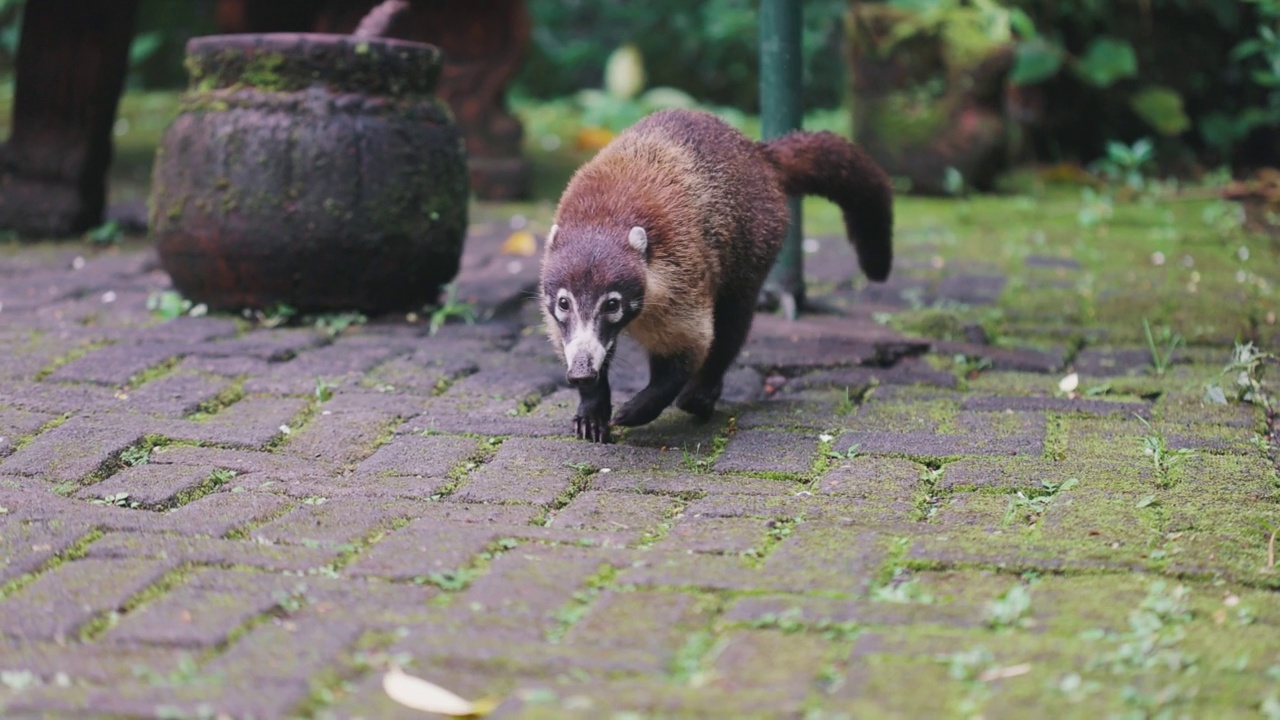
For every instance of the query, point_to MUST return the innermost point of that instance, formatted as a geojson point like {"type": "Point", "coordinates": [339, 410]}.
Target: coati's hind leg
{"type": "Point", "coordinates": [666, 376]}
{"type": "Point", "coordinates": [732, 324]}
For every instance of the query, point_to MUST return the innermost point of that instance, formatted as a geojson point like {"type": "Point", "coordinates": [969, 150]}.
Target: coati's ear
{"type": "Point", "coordinates": [638, 239]}
{"type": "Point", "coordinates": [551, 234]}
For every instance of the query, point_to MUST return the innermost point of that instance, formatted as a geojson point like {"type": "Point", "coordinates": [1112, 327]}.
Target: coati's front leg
{"type": "Point", "coordinates": [732, 325]}
{"type": "Point", "coordinates": [595, 403]}
{"type": "Point", "coordinates": [666, 376]}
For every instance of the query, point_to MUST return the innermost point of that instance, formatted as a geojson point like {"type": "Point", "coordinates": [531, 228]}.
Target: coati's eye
{"type": "Point", "coordinates": [611, 306]}
{"type": "Point", "coordinates": [564, 303]}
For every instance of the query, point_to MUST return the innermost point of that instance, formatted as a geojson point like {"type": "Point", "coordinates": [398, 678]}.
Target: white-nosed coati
{"type": "Point", "coordinates": [670, 232]}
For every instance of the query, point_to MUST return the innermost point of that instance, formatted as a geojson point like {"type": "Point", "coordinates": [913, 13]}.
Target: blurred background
{"type": "Point", "coordinates": [946, 93]}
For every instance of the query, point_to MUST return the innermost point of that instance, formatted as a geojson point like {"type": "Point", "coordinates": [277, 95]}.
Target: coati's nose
{"type": "Point", "coordinates": [581, 372]}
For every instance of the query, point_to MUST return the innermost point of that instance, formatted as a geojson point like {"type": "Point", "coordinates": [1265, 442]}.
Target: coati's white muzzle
{"type": "Point", "coordinates": [584, 354]}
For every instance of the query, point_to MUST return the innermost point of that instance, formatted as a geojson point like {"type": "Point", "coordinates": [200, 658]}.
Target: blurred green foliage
{"type": "Point", "coordinates": [707, 48]}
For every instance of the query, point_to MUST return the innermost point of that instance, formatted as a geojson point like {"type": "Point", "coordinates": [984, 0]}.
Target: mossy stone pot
{"type": "Point", "coordinates": [317, 171]}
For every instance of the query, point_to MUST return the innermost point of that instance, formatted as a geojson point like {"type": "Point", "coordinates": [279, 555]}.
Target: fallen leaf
{"type": "Point", "coordinates": [520, 242]}
{"type": "Point", "coordinates": [593, 138]}
{"type": "Point", "coordinates": [1069, 383]}
{"type": "Point", "coordinates": [1001, 673]}
{"type": "Point", "coordinates": [421, 695]}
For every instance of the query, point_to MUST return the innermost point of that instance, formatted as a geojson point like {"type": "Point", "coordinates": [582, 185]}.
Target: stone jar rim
{"type": "Point", "coordinates": [290, 62]}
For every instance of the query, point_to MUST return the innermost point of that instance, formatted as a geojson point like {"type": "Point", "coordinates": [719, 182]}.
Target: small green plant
{"type": "Point", "coordinates": [169, 304]}
{"type": "Point", "coordinates": [136, 455]}
{"type": "Point", "coordinates": [324, 390]}
{"type": "Point", "coordinates": [696, 461]}
{"type": "Point", "coordinates": [1161, 354]}
{"type": "Point", "coordinates": [1126, 164]}
{"type": "Point", "coordinates": [108, 233]}
{"type": "Point", "coordinates": [901, 588]}
{"type": "Point", "coordinates": [1247, 367]}
{"type": "Point", "coordinates": [451, 308]}
{"type": "Point", "coordinates": [333, 324]}
{"type": "Point", "coordinates": [314, 500]}
{"type": "Point", "coordinates": [1010, 610]}
{"type": "Point", "coordinates": [273, 316]}
{"type": "Point", "coordinates": [849, 454]}
{"type": "Point", "coordinates": [1032, 504]}
{"type": "Point", "coordinates": [116, 500]}
{"type": "Point", "coordinates": [1163, 459]}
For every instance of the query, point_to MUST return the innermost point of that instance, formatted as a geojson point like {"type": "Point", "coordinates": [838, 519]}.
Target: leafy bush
{"type": "Point", "coordinates": [707, 48]}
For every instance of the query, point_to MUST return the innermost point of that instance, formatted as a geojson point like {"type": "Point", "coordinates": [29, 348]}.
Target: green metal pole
{"type": "Point", "coordinates": [781, 112]}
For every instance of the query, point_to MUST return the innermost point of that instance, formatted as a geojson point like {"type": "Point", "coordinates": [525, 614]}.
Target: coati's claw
{"type": "Point", "coordinates": [594, 429]}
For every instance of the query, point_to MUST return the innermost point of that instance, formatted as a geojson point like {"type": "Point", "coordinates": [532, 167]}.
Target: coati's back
{"type": "Point", "coordinates": [697, 186]}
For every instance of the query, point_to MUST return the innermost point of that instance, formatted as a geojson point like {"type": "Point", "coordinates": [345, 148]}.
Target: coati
{"type": "Point", "coordinates": [669, 233]}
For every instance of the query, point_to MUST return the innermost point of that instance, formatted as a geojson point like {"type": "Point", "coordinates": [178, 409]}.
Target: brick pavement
{"type": "Point", "coordinates": [205, 518]}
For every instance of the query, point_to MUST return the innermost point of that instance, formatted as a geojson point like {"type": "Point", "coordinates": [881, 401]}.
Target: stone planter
{"type": "Point", "coordinates": [317, 171]}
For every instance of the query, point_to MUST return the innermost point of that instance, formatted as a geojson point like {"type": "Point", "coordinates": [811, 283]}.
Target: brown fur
{"type": "Point", "coordinates": [713, 204]}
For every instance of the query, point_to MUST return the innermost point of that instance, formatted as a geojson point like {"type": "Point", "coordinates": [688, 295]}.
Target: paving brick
{"type": "Point", "coordinates": [76, 448]}
{"type": "Point", "coordinates": [768, 451]}
{"type": "Point", "coordinates": [334, 523]}
{"type": "Point", "coordinates": [150, 485]}
{"type": "Point", "coordinates": [697, 484]}
{"type": "Point", "coordinates": [770, 672]}
{"type": "Point", "coordinates": [342, 362]}
{"type": "Point", "coordinates": [176, 395]}
{"type": "Point", "coordinates": [637, 517]}
{"type": "Point", "coordinates": [417, 456]}
{"type": "Point", "coordinates": [1018, 403]}
{"type": "Point", "coordinates": [212, 551]}
{"type": "Point", "coordinates": [279, 652]}
{"type": "Point", "coordinates": [729, 536]}
{"type": "Point", "coordinates": [16, 425]}
{"type": "Point", "coordinates": [640, 631]}
{"type": "Point", "coordinates": [60, 602]}
{"type": "Point", "coordinates": [251, 423]}
{"type": "Point", "coordinates": [116, 365]}
{"type": "Point", "coordinates": [252, 701]}
{"type": "Point", "coordinates": [443, 538]}
{"type": "Point", "coordinates": [95, 664]}
{"type": "Point", "coordinates": [190, 617]}
{"type": "Point", "coordinates": [275, 344]}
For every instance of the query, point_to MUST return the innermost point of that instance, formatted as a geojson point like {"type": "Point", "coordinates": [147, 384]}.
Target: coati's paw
{"type": "Point", "coordinates": [591, 427]}
{"type": "Point", "coordinates": [698, 401]}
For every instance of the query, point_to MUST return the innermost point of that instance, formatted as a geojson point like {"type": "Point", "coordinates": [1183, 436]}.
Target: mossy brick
{"type": "Point", "coordinates": [176, 395]}
{"type": "Point", "coordinates": [1077, 406]}
{"type": "Point", "coordinates": [58, 398]}
{"type": "Point", "coordinates": [115, 365]}
{"type": "Point", "coordinates": [26, 546]}
{"type": "Point", "coordinates": [277, 653]}
{"type": "Point", "coordinates": [879, 480]}
{"type": "Point", "coordinates": [203, 695]}
{"type": "Point", "coordinates": [61, 601]}
{"type": "Point", "coordinates": [249, 465]}
{"type": "Point", "coordinates": [334, 523]}
{"type": "Point", "coordinates": [152, 486]}
{"type": "Point", "coordinates": [17, 425]}
{"type": "Point", "coordinates": [686, 484]}
{"type": "Point", "coordinates": [339, 439]}
{"type": "Point", "coordinates": [524, 590]}
{"type": "Point", "coordinates": [1016, 359]}
{"type": "Point", "coordinates": [678, 432]}
{"type": "Point", "coordinates": [928, 444]}
{"type": "Point", "coordinates": [342, 362]}
{"type": "Point", "coordinates": [777, 507]}
{"type": "Point", "coordinates": [423, 376]}
{"type": "Point", "coordinates": [443, 537]}
{"type": "Point", "coordinates": [509, 380]}
{"type": "Point", "coordinates": [727, 536]}
{"type": "Point", "coordinates": [211, 551]}
{"type": "Point", "coordinates": [488, 415]}
{"type": "Point", "coordinates": [646, 628]}
{"type": "Point", "coordinates": [822, 557]}
{"type": "Point", "coordinates": [221, 513]}
{"type": "Point", "coordinates": [816, 614]}
{"type": "Point", "coordinates": [634, 516]}
{"type": "Point", "coordinates": [90, 663]}
{"type": "Point", "coordinates": [907, 371]}
{"type": "Point", "coordinates": [417, 456]}
{"type": "Point", "coordinates": [823, 341]}
{"type": "Point", "coordinates": [189, 617]}
{"type": "Point", "coordinates": [682, 569]}
{"type": "Point", "coordinates": [228, 367]}
{"type": "Point", "coordinates": [381, 606]}
{"type": "Point", "coordinates": [250, 423]}
{"type": "Point", "coordinates": [1004, 474]}
{"type": "Point", "coordinates": [328, 482]}
{"type": "Point", "coordinates": [76, 449]}
{"type": "Point", "coordinates": [1108, 361]}
{"type": "Point", "coordinates": [899, 413]}
{"type": "Point", "coordinates": [801, 410]}
{"type": "Point", "coordinates": [539, 472]}
{"type": "Point", "coordinates": [767, 451]}
{"type": "Point", "coordinates": [187, 329]}
{"type": "Point", "coordinates": [971, 289]}
{"type": "Point", "coordinates": [770, 672]}
{"type": "Point", "coordinates": [1195, 412]}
